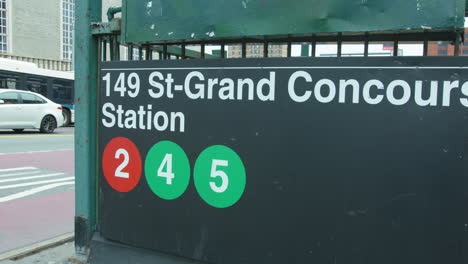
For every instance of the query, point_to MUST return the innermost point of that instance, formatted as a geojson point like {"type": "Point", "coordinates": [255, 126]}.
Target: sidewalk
{"type": "Point", "coordinates": [63, 253]}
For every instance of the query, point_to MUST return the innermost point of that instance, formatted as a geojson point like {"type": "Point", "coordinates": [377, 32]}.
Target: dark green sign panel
{"type": "Point", "coordinates": [286, 161]}
{"type": "Point", "coordinates": [173, 20]}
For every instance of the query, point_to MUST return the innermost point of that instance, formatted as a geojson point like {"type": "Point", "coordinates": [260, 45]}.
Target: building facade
{"type": "Point", "coordinates": [255, 50]}
{"type": "Point", "coordinates": [40, 32]}
{"type": "Point", "coordinates": [445, 48]}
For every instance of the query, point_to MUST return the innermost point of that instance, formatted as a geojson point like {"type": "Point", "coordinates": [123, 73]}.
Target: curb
{"type": "Point", "coordinates": [35, 248]}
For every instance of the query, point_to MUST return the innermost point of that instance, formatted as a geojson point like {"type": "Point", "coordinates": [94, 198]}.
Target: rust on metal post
{"type": "Point", "coordinates": [113, 27]}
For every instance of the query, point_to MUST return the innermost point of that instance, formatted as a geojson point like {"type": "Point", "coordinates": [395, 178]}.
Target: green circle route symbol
{"type": "Point", "coordinates": [167, 170]}
{"type": "Point", "coordinates": [219, 176]}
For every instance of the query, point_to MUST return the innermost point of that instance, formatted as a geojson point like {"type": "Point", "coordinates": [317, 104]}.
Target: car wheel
{"type": "Point", "coordinates": [66, 117]}
{"type": "Point", "coordinates": [18, 130]}
{"type": "Point", "coordinates": [48, 124]}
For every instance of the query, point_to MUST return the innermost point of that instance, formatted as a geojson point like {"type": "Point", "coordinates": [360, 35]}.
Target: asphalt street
{"type": "Point", "coordinates": [37, 186]}
{"type": "Point", "coordinates": [32, 141]}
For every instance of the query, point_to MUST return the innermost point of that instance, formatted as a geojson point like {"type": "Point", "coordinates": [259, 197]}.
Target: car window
{"type": "Point", "coordinates": [31, 99]}
{"type": "Point", "coordinates": [9, 97]}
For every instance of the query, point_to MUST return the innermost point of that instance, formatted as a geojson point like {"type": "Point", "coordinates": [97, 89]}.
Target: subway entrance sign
{"type": "Point", "coordinates": [294, 160]}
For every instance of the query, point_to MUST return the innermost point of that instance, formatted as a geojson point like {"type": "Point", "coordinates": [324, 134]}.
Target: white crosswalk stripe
{"type": "Point", "coordinates": [33, 191]}
{"type": "Point", "coordinates": [34, 183]}
{"type": "Point", "coordinates": [18, 174]}
{"type": "Point", "coordinates": [18, 169]}
{"type": "Point", "coordinates": [31, 177]}
{"type": "Point", "coordinates": [21, 182]}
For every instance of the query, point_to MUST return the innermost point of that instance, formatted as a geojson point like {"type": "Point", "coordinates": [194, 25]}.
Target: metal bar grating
{"type": "Point", "coordinates": [265, 48]}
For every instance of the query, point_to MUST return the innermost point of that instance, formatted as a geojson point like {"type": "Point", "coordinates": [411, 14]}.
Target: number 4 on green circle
{"type": "Point", "coordinates": [167, 170]}
{"type": "Point", "coordinates": [168, 174]}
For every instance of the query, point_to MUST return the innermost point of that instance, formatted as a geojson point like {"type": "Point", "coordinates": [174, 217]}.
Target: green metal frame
{"type": "Point", "coordinates": [175, 21]}
{"type": "Point", "coordinates": [86, 92]}
{"type": "Point", "coordinates": [91, 33]}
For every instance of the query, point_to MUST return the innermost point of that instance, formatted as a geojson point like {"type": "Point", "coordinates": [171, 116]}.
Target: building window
{"type": "Point", "coordinates": [68, 25]}
{"type": "Point", "coordinates": [443, 44]}
{"type": "Point", "coordinates": [465, 51]}
{"type": "Point", "coordinates": [442, 52]}
{"type": "Point", "coordinates": [3, 26]}
{"type": "Point", "coordinates": [135, 54]}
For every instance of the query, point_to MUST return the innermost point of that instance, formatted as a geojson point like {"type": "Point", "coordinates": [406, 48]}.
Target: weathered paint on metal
{"type": "Point", "coordinates": [86, 72]}
{"type": "Point", "coordinates": [106, 28]}
{"type": "Point", "coordinates": [173, 20]}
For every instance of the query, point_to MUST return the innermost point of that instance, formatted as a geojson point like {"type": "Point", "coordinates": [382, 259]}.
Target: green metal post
{"type": "Point", "coordinates": [112, 11]}
{"type": "Point", "coordinates": [140, 53]}
{"type": "Point", "coordinates": [86, 91]}
{"type": "Point", "coordinates": [304, 50]}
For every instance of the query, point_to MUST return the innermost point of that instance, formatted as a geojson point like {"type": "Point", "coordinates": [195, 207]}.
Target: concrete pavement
{"type": "Point", "coordinates": [28, 221]}
{"type": "Point", "coordinates": [61, 254]}
{"type": "Point", "coordinates": [36, 188]}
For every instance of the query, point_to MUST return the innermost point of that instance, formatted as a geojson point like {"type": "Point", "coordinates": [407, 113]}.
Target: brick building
{"type": "Point", "coordinates": [255, 50]}
{"type": "Point", "coordinates": [446, 48]}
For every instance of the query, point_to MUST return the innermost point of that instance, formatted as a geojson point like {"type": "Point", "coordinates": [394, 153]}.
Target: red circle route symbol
{"type": "Point", "coordinates": [121, 163]}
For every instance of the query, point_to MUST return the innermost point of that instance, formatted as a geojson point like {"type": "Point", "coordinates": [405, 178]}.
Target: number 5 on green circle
{"type": "Point", "coordinates": [167, 170]}
{"type": "Point", "coordinates": [219, 176]}
{"type": "Point", "coordinates": [217, 173]}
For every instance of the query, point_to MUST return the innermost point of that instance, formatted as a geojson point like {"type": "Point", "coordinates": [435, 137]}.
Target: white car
{"type": "Point", "coordinates": [21, 110]}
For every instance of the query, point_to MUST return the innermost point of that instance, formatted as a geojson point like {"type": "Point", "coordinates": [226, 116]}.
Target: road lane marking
{"type": "Point", "coordinates": [17, 174]}
{"type": "Point", "coordinates": [30, 136]}
{"type": "Point", "coordinates": [34, 183]}
{"type": "Point", "coordinates": [31, 177]}
{"type": "Point", "coordinates": [39, 151]}
{"type": "Point", "coordinates": [18, 169]}
{"type": "Point", "coordinates": [33, 191]}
